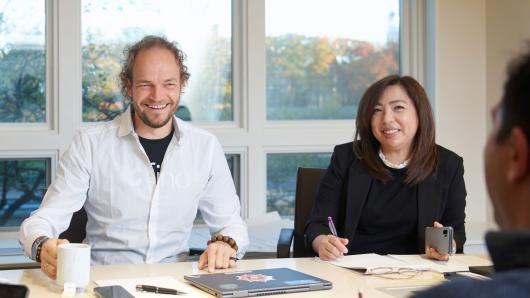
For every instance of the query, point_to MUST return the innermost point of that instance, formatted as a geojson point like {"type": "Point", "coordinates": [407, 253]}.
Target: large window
{"type": "Point", "coordinates": [22, 61]}
{"type": "Point", "coordinates": [201, 27]}
{"type": "Point", "coordinates": [319, 65]}
{"type": "Point", "coordinates": [277, 81]}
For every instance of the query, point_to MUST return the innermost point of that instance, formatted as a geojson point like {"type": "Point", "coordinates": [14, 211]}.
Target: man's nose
{"type": "Point", "coordinates": [156, 92]}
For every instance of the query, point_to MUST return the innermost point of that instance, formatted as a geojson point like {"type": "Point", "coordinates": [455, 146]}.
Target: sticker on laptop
{"type": "Point", "coordinates": [255, 277]}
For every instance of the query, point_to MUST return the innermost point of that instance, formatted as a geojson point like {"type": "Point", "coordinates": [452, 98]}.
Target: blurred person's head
{"type": "Point", "coordinates": [507, 152]}
{"type": "Point", "coordinates": [395, 116]}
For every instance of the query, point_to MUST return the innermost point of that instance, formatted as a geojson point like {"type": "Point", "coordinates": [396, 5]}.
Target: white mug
{"type": "Point", "coordinates": [73, 264]}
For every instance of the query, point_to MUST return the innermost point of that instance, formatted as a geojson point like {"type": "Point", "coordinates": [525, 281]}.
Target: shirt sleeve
{"type": "Point", "coordinates": [219, 203]}
{"type": "Point", "coordinates": [66, 194]}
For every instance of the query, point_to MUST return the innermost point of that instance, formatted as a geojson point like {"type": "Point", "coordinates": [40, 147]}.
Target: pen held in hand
{"type": "Point", "coordinates": [158, 290]}
{"type": "Point", "coordinates": [332, 226]}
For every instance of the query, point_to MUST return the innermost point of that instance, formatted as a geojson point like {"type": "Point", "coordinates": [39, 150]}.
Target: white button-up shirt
{"type": "Point", "coordinates": [132, 218]}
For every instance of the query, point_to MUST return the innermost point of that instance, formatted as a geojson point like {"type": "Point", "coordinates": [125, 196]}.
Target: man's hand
{"type": "Point", "coordinates": [48, 256]}
{"type": "Point", "coordinates": [432, 253]}
{"type": "Point", "coordinates": [217, 255]}
{"type": "Point", "coordinates": [330, 247]}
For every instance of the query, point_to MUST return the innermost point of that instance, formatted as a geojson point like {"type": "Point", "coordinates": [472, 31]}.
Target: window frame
{"type": "Point", "coordinates": [250, 134]}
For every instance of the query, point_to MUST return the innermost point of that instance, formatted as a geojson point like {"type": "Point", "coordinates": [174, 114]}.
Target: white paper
{"type": "Point", "coordinates": [472, 260]}
{"type": "Point", "coordinates": [371, 261]}
{"type": "Point", "coordinates": [452, 265]}
{"type": "Point", "coordinates": [159, 281]}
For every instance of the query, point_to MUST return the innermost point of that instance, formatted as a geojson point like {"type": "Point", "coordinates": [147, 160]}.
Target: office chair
{"type": "Point", "coordinates": [307, 182]}
{"type": "Point", "coordinates": [76, 232]}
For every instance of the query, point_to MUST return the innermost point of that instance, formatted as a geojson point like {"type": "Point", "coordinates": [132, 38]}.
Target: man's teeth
{"type": "Point", "coordinates": [391, 131]}
{"type": "Point", "coordinates": [157, 106]}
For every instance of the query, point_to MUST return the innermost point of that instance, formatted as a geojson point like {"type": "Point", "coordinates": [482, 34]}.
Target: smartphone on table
{"type": "Point", "coordinates": [13, 290]}
{"type": "Point", "coordinates": [112, 292]}
{"type": "Point", "coordinates": [440, 239]}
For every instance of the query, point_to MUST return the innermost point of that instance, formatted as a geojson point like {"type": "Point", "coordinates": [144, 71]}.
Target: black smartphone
{"type": "Point", "coordinates": [13, 291]}
{"type": "Point", "coordinates": [440, 239]}
{"type": "Point", "coordinates": [112, 292]}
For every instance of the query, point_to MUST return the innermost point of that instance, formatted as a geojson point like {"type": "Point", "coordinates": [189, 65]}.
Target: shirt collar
{"type": "Point", "coordinates": [509, 249]}
{"type": "Point", "coordinates": [127, 127]}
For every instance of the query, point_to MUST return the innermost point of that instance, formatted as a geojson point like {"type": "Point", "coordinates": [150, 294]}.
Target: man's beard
{"type": "Point", "coordinates": [147, 121]}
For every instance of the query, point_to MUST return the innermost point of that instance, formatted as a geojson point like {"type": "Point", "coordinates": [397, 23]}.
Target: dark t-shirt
{"type": "Point", "coordinates": [389, 218]}
{"type": "Point", "coordinates": [155, 150]}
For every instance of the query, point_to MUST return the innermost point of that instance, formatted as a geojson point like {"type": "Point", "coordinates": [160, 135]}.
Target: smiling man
{"type": "Point", "coordinates": [142, 177]}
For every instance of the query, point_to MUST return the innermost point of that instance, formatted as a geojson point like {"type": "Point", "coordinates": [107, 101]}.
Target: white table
{"type": "Point", "coordinates": [346, 282]}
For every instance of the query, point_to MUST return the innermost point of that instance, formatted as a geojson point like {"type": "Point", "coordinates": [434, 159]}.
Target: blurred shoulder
{"type": "Point", "coordinates": [515, 283]}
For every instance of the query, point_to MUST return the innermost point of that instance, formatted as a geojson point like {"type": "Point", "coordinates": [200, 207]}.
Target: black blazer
{"type": "Point", "coordinates": [345, 185]}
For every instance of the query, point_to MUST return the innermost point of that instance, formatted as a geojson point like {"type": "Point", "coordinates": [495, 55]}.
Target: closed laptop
{"type": "Point", "coordinates": [257, 282]}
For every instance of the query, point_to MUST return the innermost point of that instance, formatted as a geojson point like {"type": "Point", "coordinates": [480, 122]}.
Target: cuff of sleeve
{"type": "Point", "coordinates": [314, 231]}
{"type": "Point", "coordinates": [27, 243]}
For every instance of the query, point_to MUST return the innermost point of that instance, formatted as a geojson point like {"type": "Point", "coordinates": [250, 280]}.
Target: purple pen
{"type": "Point", "coordinates": [332, 226]}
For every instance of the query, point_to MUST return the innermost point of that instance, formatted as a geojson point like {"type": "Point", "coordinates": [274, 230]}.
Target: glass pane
{"type": "Point", "coordinates": [23, 183]}
{"type": "Point", "coordinates": [234, 165]}
{"type": "Point", "coordinates": [319, 66]}
{"type": "Point", "coordinates": [281, 178]}
{"type": "Point", "coordinates": [201, 27]}
{"type": "Point", "coordinates": [22, 61]}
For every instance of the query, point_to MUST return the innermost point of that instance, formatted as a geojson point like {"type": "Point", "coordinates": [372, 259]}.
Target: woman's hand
{"type": "Point", "coordinates": [433, 253]}
{"type": "Point", "coordinates": [330, 247]}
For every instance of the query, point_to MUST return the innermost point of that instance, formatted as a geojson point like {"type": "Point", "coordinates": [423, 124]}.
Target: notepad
{"type": "Point", "coordinates": [452, 265]}
{"type": "Point", "coordinates": [366, 262]}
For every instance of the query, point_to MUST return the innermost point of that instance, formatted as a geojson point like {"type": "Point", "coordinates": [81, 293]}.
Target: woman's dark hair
{"type": "Point", "coordinates": [515, 102]}
{"type": "Point", "coordinates": [366, 147]}
{"type": "Point", "coordinates": [148, 42]}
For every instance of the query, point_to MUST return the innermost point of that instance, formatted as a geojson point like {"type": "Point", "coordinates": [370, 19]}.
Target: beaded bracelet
{"type": "Point", "coordinates": [229, 240]}
{"type": "Point", "coordinates": [38, 247]}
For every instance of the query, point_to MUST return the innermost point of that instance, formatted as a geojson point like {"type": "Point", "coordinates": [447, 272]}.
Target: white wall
{"type": "Point", "coordinates": [460, 96]}
{"type": "Point", "coordinates": [473, 41]}
{"type": "Point", "coordinates": [508, 34]}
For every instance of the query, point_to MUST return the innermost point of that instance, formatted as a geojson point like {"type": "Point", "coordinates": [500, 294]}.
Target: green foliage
{"type": "Point", "coordinates": [281, 178]}
{"type": "Point", "coordinates": [23, 183]}
{"type": "Point", "coordinates": [22, 84]}
{"type": "Point", "coordinates": [307, 78]}
{"type": "Point", "coordinates": [102, 99]}
{"type": "Point", "coordinates": [318, 78]}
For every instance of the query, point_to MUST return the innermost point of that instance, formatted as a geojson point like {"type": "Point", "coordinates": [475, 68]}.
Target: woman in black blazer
{"type": "Point", "coordinates": [384, 188]}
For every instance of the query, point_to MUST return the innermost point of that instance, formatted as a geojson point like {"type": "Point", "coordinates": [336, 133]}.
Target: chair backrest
{"type": "Point", "coordinates": [307, 182]}
{"type": "Point", "coordinates": [76, 232]}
